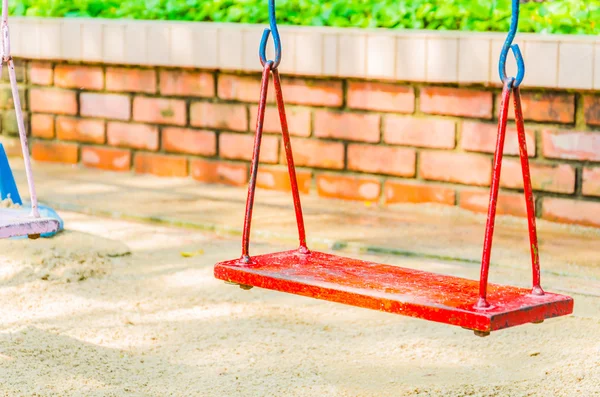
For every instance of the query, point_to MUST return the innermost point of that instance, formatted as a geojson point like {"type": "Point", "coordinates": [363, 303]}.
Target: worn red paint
{"type": "Point", "coordinates": [446, 299]}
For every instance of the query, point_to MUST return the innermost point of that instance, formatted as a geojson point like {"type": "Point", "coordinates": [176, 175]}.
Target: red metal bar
{"type": "Point", "coordinates": [290, 161]}
{"type": "Point", "coordinates": [491, 218]}
{"type": "Point", "coordinates": [533, 241]}
{"type": "Point", "coordinates": [262, 103]}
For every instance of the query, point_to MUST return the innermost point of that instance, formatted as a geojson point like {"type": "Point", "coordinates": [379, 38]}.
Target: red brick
{"type": "Point", "coordinates": [109, 106]}
{"type": "Point", "coordinates": [240, 147]}
{"type": "Point", "coordinates": [12, 146]}
{"type": "Point", "coordinates": [131, 80]}
{"type": "Point", "coordinates": [381, 97]}
{"type": "Point", "coordinates": [348, 187]}
{"type": "Point", "coordinates": [591, 181]}
{"type": "Point", "coordinates": [241, 88]}
{"type": "Point", "coordinates": [82, 130]}
{"type": "Point", "coordinates": [159, 110]}
{"type": "Point", "coordinates": [419, 132]}
{"type": "Point", "coordinates": [55, 152]}
{"type": "Point", "coordinates": [591, 107]}
{"type": "Point", "coordinates": [184, 83]}
{"type": "Point", "coordinates": [318, 154]}
{"type": "Point", "coordinates": [558, 178]}
{"type": "Point", "coordinates": [185, 140]}
{"type": "Point", "coordinates": [571, 211]}
{"type": "Point", "coordinates": [348, 126]}
{"type": "Point", "coordinates": [382, 160]}
{"type": "Point", "coordinates": [80, 77]}
{"type": "Point", "coordinates": [313, 92]}
{"type": "Point", "coordinates": [219, 172]}
{"type": "Point", "coordinates": [106, 158]}
{"type": "Point", "coordinates": [42, 126]}
{"type": "Point", "coordinates": [545, 106]}
{"type": "Point", "coordinates": [479, 200]}
{"type": "Point", "coordinates": [47, 100]}
{"type": "Point", "coordinates": [481, 137]}
{"type": "Point", "coordinates": [41, 73]}
{"type": "Point", "coordinates": [456, 102]}
{"type": "Point", "coordinates": [160, 165]}
{"type": "Point", "coordinates": [571, 145]}
{"type": "Point", "coordinates": [137, 136]}
{"type": "Point", "coordinates": [298, 120]}
{"type": "Point", "coordinates": [464, 168]}
{"type": "Point", "coordinates": [408, 192]}
{"type": "Point", "coordinates": [277, 178]}
{"type": "Point", "coordinates": [219, 116]}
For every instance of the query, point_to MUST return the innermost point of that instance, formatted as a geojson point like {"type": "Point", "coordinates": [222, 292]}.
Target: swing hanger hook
{"type": "Point", "coordinates": [262, 51]}
{"type": "Point", "coordinates": [508, 45]}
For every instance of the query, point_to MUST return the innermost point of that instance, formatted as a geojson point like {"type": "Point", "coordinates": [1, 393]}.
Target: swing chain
{"type": "Point", "coordinates": [508, 45]}
{"type": "Point", "coordinates": [262, 51]}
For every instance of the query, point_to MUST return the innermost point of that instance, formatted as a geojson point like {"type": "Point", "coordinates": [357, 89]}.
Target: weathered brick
{"type": "Point", "coordinates": [348, 187]}
{"type": "Point", "coordinates": [20, 71]}
{"type": "Point", "coordinates": [131, 80]}
{"type": "Point", "coordinates": [159, 110]}
{"type": "Point", "coordinates": [160, 165]}
{"type": "Point", "coordinates": [9, 122]}
{"type": "Point", "coordinates": [545, 106]}
{"type": "Point", "coordinates": [109, 106]}
{"type": "Point", "coordinates": [298, 120]}
{"type": "Point", "coordinates": [186, 140]}
{"type": "Point", "coordinates": [41, 73]}
{"type": "Point", "coordinates": [47, 100]}
{"type": "Point", "coordinates": [277, 178]}
{"type": "Point", "coordinates": [410, 192]}
{"type": "Point", "coordinates": [420, 132]}
{"type": "Point", "coordinates": [481, 137]}
{"type": "Point", "coordinates": [80, 77]}
{"type": "Point", "coordinates": [591, 107]}
{"type": "Point", "coordinates": [7, 100]}
{"type": "Point", "coordinates": [469, 169]}
{"type": "Point", "coordinates": [479, 200]}
{"type": "Point", "coordinates": [137, 136]}
{"type": "Point", "coordinates": [82, 130]}
{"type": "Point", "coordinates": [318, 154]}
{"type": "Point", "coordinates": [185, 83]}
{"type": "Point", "coordinates": [457, 102]}
{"type": "Point", "coordinates": [571, 211]}
{"type": "Point", "coordinates": [55, 152]}
{"type": "Point", "coordinates": [240, 147]}
{"type": "Point", "coordinates": [591, 181]}
{"type": "Point", "coordinates": [104, 158]}
{"type": "Point", "coordinates": [558, 178]}
{"type": "Point", "coordinates": [313, 92]}
{"type": "Point", "coordinates": [348, 126]}
{"type": "Point", "coordinates": [42, 126]}
{"type": "Point", "coordinates": [382, 160]}
{"type": "Point", "coordinates": [571, 145]}
{"type": "Point", "coordinates": [210, 171]}
{"type": "Point", "coordinates": [381, 97]}
{"type": "Point", "coordinates": [219, 116]}
{"type": "Point", "coordinates": [12, 146]}
{"type": "Point", "coordinates": [241, 88]}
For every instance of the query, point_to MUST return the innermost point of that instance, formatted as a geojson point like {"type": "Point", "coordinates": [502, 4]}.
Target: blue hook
{"type": "Point", "coordinates": [514, 23]}
{"type": "Point", "coordinates": [262, 51]}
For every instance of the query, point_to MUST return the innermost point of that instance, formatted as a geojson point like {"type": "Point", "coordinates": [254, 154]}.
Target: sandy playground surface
{"type": "Point", "coordinates": [113, 308]}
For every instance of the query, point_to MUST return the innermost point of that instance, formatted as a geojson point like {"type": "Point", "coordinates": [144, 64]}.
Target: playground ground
{"type": "Point", "coordinates": [116, 307]}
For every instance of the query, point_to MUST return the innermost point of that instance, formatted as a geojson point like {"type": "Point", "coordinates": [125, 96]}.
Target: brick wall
{"type": "Point", "coordinates": [379, 142]}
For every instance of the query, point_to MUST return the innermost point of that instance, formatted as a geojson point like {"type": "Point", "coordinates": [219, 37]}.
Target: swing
{"type": "Point", "coordinates": [19, 222]}
{"type": "Point", "coordinates": [446, 299]}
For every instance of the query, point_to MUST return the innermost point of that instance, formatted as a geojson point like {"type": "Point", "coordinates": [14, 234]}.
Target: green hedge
{"type": "Point", "coordinates": [549, 16]}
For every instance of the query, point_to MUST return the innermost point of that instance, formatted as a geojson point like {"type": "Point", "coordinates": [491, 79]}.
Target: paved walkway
{"type": "Point", "coordinates": [410, 230]}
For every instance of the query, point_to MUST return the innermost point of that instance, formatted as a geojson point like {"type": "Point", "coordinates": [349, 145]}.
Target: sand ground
{"type": "Point", "coordinates": [113, 308]}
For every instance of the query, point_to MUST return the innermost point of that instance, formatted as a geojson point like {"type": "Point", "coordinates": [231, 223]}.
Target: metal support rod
{"type": "Point", "coordinates": [6, 57]}
{"type": "Point", "coordinates": [528, 191]}
{"type": "Point", "coordinates": [491, 218]}
{"type": "Point", "coordinates": [290, 161]}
